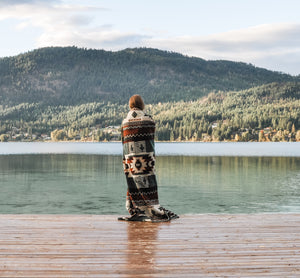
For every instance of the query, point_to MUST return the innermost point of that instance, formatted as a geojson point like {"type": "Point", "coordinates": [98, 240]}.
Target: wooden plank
{"type": "Point", "coordinates": [208, 245]}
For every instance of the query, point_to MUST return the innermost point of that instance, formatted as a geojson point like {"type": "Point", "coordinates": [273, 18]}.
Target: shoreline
{"type": "Point", "coordinates": [76, 141]}
{"type": "Point", "coordinates": [207, 149]}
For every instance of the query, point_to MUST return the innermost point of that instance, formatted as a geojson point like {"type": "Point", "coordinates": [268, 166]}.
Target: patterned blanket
{"type": "Point", "coordinates": [142, 202]}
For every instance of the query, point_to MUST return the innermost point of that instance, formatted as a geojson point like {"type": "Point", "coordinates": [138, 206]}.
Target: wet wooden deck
{"type": "Point", "coordinates": [259, 245]}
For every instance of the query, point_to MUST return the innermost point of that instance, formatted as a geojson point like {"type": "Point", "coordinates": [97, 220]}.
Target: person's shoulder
{"type": "Point", "coordinates": [137, 115]}
{"type": "Point", "coordinates": [128, 117]}
{"type": "Point", "coordinates": [147, 115]}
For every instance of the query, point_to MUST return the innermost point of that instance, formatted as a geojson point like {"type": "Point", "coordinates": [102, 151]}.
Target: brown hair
{"type": "Point", "coordinates": [136, 101]}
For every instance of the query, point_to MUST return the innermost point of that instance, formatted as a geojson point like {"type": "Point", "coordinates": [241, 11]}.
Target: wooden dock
{"type": "Point", "coordinates": [208, 245]}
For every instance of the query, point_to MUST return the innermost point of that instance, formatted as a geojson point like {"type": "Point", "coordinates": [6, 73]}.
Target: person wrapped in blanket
{"type": "Point", "coordinates": [138, 131]}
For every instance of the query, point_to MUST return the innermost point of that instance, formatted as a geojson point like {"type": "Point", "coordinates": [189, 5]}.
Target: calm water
{"type": "Point", "coordinates": [210, 178]}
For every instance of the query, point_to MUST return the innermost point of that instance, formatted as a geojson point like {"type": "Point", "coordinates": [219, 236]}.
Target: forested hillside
{"type": "Point", "coordinates": [72, 76]}
{"type": "Point", "coordinates": [264, 113]}
{"type": "Point", "coordinates": [78, 94]}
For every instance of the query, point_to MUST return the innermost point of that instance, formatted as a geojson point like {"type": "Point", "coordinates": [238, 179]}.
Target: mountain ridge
{"type": "Point", "coordinates": [68, 93]}
{"type": "Point", "coordinates": [73, 76]}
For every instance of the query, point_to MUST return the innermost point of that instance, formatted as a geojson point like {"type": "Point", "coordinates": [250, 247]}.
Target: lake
{"type": "Point", "coordinates": [87, 178]}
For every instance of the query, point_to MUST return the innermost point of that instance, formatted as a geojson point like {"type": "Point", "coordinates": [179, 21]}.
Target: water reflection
{"type": "Point", "coordinates": [141, 248]}
{"type": "Point", "coordinates": [95, 184]}
{"type": "Point", "coordinates": [60, 184]}
{"type": "Point", "coordinates": [229, 184]}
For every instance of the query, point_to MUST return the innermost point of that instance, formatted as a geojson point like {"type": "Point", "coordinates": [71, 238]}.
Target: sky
{"type": "Point", "coordinates": [265, 33]}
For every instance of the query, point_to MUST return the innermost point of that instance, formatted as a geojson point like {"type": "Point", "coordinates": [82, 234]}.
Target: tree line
{"type": "Point", "coordinates": [268, 112]}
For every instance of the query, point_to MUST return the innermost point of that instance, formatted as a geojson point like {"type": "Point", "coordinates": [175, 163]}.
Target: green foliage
{"type": "Point", "coordinates": [223, 115]}
{"type": "Point", "coordinates": [58, 135]}
{"type": "Point", "coordinates": [80, 93]}
{"type": "Point", "coordinates": [219, 116]}
{"type": "Point", "coordinates": [4, 138]}
{"type": "Point", "coordinates": [72, 76]}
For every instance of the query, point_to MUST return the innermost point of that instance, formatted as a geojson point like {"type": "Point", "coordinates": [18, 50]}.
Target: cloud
{"type": "Point", "coordinates": [273, 46]}
{"type": "Point", "coordinates": [253, 41]}
{"type": "Point", "coordinates": [4, 3]}
{"type": "Point", "coordinates": [261, 45]}
{"type": "Point", "coordinates": [98, 37]}
{"type": "Point", "coordinates": [64, 25]}
{"type": "Point", "coordinates": [43, 13]}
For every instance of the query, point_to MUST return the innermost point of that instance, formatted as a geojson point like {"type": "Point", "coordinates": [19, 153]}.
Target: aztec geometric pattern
{"type": "Point", "coordinates": [139, 161]}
